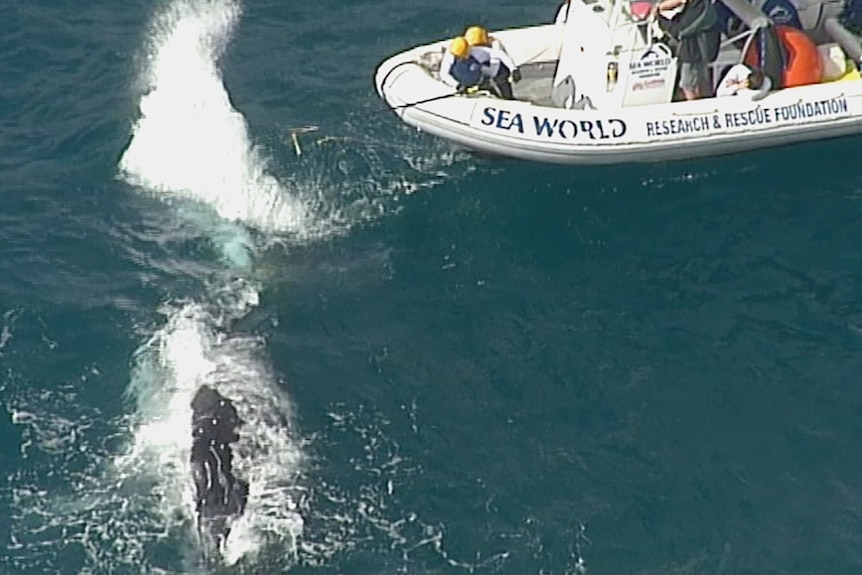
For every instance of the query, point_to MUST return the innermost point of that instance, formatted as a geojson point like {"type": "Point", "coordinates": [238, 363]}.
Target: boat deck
{"type": "Point", "coordinates": [536, 83]}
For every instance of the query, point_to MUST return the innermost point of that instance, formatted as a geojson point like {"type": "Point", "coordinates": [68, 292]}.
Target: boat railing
{"type": "Point", "coordinates": [843, 37]}
{"type": "Point", "coordinates": [751, 35]}
{"type": "Point", "coordinates": [754, 20]}
{"type": "Point", "coordinates": [751, 16]}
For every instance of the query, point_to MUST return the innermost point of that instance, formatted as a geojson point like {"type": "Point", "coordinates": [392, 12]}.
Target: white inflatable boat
{"type": "Point", "coordinates": [599, 89]}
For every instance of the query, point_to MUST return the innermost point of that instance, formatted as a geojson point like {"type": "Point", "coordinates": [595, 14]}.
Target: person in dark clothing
{"type": "Point", "coordinates": [696, 28]}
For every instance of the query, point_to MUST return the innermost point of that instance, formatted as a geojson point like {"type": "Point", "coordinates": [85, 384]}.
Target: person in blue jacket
{"type": "Point", "coordinates": [459, 68]}
{"type": "Point", "coordinates": [467, 66]}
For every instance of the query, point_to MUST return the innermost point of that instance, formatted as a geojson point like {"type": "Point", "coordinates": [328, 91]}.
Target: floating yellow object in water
{"type": "Point", "coordinates": [294, 136]}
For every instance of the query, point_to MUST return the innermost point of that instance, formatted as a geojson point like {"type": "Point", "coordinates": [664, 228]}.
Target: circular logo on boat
{"type": "Point", "coordinates": [648, 69]}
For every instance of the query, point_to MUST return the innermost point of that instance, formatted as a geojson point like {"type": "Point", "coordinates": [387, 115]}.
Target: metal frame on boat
{"type": "Point", "coordinates": [569, 109]}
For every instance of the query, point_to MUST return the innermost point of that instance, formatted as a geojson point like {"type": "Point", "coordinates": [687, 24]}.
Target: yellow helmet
{"type": "Point", "coordinates": [459, 47]}
{"type": "Point", "coordinates": [477, 36]}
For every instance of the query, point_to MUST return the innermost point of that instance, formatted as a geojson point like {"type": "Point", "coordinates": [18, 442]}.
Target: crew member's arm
{"type": "Point", "coordinates": [504, 58]}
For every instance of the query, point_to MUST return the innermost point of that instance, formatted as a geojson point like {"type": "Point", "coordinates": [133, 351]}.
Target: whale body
{"type": "Point", "coordinates": [220, 496]}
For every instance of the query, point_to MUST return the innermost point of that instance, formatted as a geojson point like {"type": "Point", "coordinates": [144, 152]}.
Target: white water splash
{"type": "Point", "coordinates": [189, 140]}
{"type": "Point", "coordinates": [190, 143]}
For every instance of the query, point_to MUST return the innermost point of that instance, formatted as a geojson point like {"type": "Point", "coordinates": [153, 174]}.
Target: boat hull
{"type": "Point", "coordinates": [650, 133]}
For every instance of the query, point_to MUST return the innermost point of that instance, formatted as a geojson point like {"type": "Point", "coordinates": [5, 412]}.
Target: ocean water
{"type": "Point", "coordinates": [447, 363]}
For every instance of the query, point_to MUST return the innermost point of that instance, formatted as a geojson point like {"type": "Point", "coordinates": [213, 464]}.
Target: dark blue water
{"type": "Point", "coordinates": [448, 364]}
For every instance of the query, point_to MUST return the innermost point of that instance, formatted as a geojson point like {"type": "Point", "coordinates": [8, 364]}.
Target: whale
{"type": "Point", "coordinates": [220, 496]}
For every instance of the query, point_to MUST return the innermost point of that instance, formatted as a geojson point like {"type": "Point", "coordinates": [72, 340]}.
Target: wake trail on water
{"type": "Point", "coordinates": [192, 148]}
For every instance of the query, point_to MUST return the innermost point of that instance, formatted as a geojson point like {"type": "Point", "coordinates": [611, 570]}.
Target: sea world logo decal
{"type": "Point", "coordinates": [537, 126]}
{"type": "Point", "coordinates": [800, 112]}
{"type": "Point", "coordinates": [652, 63]}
